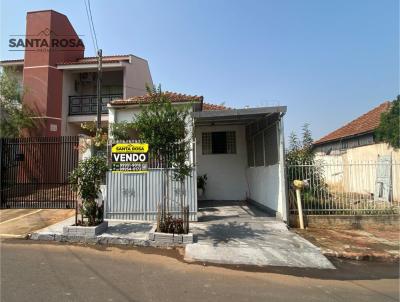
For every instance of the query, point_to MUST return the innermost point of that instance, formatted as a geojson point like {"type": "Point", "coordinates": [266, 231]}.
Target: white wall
{"type": "Point", "coordinates": [354, 169]}
{"type": "Point", "coordinates": [267, 184]}
{"type": "Point", "coordinates": [68, 88]}
{"type": "Point", "coordinates": [136, 76]}
{"type": "Point", "coordinates": [264, 185]}
{"type": "Point", "coordinates": [225, 172]}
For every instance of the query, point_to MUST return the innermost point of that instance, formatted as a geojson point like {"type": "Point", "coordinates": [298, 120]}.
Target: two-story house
{"type": "Point", "coordinates": [59, 82]}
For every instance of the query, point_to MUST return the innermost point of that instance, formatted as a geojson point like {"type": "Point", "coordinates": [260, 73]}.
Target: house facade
{"type": "Point", "coordinates": [356, 162]}
{"type": "Point", "coordinates": [240, 150]}
{"type": "Point", "coordinates": [59, 83]}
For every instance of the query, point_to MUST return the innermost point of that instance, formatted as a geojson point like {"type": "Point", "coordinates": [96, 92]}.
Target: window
{"type": "Point", "coordinates": [219, 142]}
{"type": "Point", "coordinates": [271, 146]}
{"type": "Point", "coordinates": [259, 150]}
{"type": "Point", "coordinates": [262, 146]}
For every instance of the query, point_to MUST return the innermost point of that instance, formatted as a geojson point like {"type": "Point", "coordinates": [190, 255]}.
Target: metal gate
{"type": "Point", "coordinates": [34, 172]}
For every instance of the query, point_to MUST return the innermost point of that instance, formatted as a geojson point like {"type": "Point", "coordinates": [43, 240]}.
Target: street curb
{"type": "Point", "coordinates": [102, 240]}
{"type": "Point", "coordinates": [381, 257]}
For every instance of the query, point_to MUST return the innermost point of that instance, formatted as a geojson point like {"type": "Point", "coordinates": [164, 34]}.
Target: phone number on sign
{"type": "Point", "coordinates": [130, 167]}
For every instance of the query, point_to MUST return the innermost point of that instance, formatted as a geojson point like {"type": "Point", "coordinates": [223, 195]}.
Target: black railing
{"type": "Point", "coordinates": [87, 104]}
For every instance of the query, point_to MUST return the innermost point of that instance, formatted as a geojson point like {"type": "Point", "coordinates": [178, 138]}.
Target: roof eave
{"type": "Point", "coordinates": [318, 143]}
{"type": "Point", "coordinates": [239, 112]}
{"type": "Point", "coordinates": [89, 66]}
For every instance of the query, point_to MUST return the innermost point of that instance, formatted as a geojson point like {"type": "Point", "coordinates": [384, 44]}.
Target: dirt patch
{"type": "Point", "coordinates": [371, 244]}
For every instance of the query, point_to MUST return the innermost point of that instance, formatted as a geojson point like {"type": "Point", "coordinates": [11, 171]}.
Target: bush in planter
{"type": "Point", "coordinates": [86, 180]}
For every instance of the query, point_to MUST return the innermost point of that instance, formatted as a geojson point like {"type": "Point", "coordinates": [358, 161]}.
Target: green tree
{"type": "Point", "coordinates": [300, 152]}
{"type": "Point", "coordinates": [388, 130]}
{"type": "Point", "coordinates": [164, 127]}
{"type": "Point", "coordinates": [14, 116]}
{"type": "Point", "coordinates": [121, 130]}
{"type": "Point", "coordinates": [86, 180]}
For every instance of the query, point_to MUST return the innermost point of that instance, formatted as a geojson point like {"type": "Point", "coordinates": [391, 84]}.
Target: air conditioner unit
{"type": "Point", "coordinates": [87, 77]}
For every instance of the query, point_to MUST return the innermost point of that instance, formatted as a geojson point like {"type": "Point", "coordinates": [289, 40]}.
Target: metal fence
{"type": "Point", "coordinates": [35, 170]}
{"type": "Point", "coordinates": [137, 196]}
{"type": "Point", "coordinates": [347, 188]}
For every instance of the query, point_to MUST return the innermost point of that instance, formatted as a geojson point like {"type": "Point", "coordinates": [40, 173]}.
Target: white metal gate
{"type": "Point", "coordinates": [136, 196]}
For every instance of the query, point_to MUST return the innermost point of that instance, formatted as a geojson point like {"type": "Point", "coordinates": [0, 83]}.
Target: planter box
{"type": "Point", "coordinates": [165, 238]}
{"type": "Point", "coordinates": [86, 231]}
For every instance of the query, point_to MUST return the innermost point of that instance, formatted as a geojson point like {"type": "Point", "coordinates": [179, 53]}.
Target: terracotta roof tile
{"type": "Point", "coordinates": [212, 107]}
{"type": "Point", "coordinates": [366, 123]}
{"type": "Point", "coordinates": [12, 62]}
{"type": "Point", "coordinates": [93, 60]}
{"type": "Point", "coordinates": [85, 60]}
{"type": "Point", "coordinates": [175, 98]}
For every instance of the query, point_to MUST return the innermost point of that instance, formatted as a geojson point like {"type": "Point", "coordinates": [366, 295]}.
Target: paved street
{"type": "Point", "coordinates": [32, 271]}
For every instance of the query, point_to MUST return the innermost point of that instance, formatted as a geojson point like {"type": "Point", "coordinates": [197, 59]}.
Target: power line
{"type": "Point", "coordinates": [90, 27]}
{"type": "Point", "coordinates": [94, 30]}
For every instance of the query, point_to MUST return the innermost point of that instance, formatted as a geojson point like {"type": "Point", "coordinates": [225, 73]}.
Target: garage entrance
{"type": "Point", "coordinates": [34, 172]}
{"type": "Point", "coordinates": [241, 152]}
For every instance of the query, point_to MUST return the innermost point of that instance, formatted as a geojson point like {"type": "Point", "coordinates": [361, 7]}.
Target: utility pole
{"type": "Point", "coordinates": [99, 102]}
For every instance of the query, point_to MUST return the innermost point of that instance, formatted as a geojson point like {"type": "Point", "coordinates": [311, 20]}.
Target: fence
{"type": "Point", "coordinates": [137, 196]}
{"type": "Point", "coordinates": [347, 188]}
{"type": "Point", "coordinates": [35, 170]}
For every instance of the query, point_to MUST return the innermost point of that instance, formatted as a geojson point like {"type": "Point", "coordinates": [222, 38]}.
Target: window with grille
{"type": "Point", "coordinates": [222, 142]}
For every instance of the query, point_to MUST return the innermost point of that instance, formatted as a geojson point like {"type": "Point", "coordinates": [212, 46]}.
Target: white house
{"type": "Point", "coordinates": [240, 150]}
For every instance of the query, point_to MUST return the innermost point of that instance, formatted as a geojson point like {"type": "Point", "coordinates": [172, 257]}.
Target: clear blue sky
{"type": "Point", "coordinates": [328, 61]}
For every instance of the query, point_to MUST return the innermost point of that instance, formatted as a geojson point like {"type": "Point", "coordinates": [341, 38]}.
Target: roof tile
{"type": "Point", "coordinates": [174, 97]}
{"type": "Point", "coordinates": [212, 107]}
{"type": "Point", "coordinates": [366, 123]}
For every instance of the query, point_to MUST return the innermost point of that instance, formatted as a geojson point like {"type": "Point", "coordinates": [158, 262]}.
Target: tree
{"type": "Point", "coordinates": [14, 116]}
{"type": "Point", "coordinates": [86, 180]}
{"type": "Point", "coordinates": [388, 130]}
{"type": "Point", "coordinates": [300, 152]}
{"type": "Point", "coordinates": [164, 127]}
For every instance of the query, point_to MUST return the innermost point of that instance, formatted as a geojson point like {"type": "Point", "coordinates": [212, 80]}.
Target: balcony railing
{"type": "Point", "coordinates": [87, 104]}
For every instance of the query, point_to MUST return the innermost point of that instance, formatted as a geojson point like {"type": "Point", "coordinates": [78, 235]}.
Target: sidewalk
{"type": "Point", "coordinates": [16, 223]}
{"type": "Point", "coordinates": [371, 244]}
{"type": "Point", "coordinates": [118, 232]}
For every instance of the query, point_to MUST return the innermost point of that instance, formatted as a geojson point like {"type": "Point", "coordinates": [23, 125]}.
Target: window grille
{"type": "Point", "coordinates": [219, 142]}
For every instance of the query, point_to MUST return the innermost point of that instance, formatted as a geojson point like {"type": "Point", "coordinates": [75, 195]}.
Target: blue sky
{"type": "Point", "coordinates": [328, 61]}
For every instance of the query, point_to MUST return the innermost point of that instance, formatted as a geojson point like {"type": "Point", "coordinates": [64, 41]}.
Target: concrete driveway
{"type": "Point", "coordinates": [15, 223]}
{"type": "Point", "coordinates": [240, 234]}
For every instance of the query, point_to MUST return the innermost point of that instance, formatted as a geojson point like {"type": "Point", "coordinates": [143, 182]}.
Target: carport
{"type": "Point", "coordinates": [242, 153]}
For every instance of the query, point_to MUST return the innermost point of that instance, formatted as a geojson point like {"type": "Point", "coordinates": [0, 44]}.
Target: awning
{"type": "Point", "coordinates": [236, 116]}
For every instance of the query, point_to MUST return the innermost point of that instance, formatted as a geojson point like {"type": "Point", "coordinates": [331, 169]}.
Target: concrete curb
{"type": "Point", "coordinates": [103, 240]}
{"type": "Point", "coordinates": [381, 257]}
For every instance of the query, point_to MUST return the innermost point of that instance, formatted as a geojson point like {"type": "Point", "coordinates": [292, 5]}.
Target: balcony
{"type": "Point", "coordinates": [87, 104]}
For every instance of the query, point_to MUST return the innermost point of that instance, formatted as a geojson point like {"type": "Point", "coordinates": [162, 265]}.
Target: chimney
{"type": "Point", "coordinates": [51, 39]}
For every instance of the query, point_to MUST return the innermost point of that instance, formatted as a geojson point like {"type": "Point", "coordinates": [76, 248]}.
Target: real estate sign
{"type": "Point", "coordinates": [129, 158]}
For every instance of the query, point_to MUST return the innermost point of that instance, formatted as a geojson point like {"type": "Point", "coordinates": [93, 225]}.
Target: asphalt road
{"type": "Point", "coordinates": [32, 271]}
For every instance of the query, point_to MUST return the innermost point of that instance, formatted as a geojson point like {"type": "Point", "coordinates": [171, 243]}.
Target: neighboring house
{"type": "Point", "coordinates": [240, 150]}
{"type": "Point", "coordinates": [356, 137]}
{"type": "Point", "coordinates": [356, 162]}
{"type": "Point", "coordinates": [60, 84]}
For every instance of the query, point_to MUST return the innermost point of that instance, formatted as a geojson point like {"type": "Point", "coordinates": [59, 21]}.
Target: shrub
{"type": "Point", "coordinates": [86, 180]}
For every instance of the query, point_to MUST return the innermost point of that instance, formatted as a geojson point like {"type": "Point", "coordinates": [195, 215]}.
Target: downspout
{"type": "Point", "coordinates": [282, 172]}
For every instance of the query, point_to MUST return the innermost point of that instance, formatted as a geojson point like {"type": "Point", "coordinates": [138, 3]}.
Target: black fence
{"type": "Point", "coordinates": [34, 172]}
